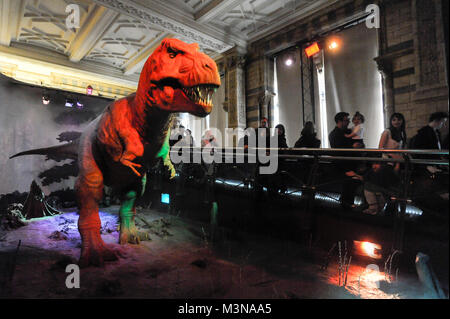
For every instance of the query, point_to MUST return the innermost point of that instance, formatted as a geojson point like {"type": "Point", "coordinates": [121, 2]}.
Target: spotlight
{"type": "Point", "coordinates": [69, 102]}
{"type": "Point", "coordinates": [289, 62]}
{"type": "Point", "coordinates": [79, 104]}
{"type": "Point", "coordinates": [45, 99]}
{"type": "Point", "coordinates": [312, 50]}
{"type": "Point", "coordinates": [89, 90]}
{"type": "Point", "coordinates": [333, 44]}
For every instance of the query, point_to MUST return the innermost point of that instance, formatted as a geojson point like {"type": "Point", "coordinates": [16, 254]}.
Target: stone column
{"type": "Point", "coordinates": [385, 68]}
{"type": "Point", "coordinates": [265, 102]}
{"type": "Point", "coordinates": [235, 89]}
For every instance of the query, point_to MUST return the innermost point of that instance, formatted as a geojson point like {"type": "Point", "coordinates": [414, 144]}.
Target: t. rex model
{"type": "Point", "coordinates": [131, 134]}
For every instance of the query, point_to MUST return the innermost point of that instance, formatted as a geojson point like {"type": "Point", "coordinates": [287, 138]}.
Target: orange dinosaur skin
{"type": "Point", "coordinates": [125, 139]}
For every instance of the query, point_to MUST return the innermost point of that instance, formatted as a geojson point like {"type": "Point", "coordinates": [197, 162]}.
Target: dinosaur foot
{"type": "Point", "coordinates": [94, 252]}
{"type": "Point", "coordinates": [131, 235]}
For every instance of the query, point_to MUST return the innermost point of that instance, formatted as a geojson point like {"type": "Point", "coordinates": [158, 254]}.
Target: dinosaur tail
{"type": "Point", "coordinates": [67, 151]}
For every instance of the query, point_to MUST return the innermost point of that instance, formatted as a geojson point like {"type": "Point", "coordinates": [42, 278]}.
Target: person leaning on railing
{"type": "Point", "coordinates": [394, 138]}
{"type": "Point", "coordinates": [429, 138]}
{"type": "Point", "coordinates": [384, 177]}
{"type": "Point", "coordinates": [430, 181]}
{"type": "Point", "coordinates": [308, 137]}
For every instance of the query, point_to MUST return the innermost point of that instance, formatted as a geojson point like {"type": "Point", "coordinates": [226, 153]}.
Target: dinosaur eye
{"type": "Point", "coordinates": [172, 53]}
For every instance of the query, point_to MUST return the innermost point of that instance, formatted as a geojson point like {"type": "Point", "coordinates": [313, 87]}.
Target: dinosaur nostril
{"type": "Point", "coordinates": [207, 66]}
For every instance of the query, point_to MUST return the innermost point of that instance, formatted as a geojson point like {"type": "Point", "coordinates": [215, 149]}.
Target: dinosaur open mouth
{"type": "Point", "coordinates": [201, 94]}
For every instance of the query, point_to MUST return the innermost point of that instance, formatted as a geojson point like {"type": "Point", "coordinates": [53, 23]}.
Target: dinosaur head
{"type": "Point", "coordinates": [179, 78]}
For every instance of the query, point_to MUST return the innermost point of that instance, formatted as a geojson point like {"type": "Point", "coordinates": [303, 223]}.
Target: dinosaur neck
{"type": "Point", "coordinates": [150, 121]}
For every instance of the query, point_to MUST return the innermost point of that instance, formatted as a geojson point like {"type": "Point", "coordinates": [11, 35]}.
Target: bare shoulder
{"type": "Point", "coordinates": [384, 138]}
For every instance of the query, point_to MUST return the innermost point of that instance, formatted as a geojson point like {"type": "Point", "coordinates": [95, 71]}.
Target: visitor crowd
{"type": "Point", "coordinates": [376, 178]}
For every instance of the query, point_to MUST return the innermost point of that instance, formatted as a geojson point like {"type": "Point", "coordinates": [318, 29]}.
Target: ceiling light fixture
{"type": "Point", "coordinates": [69, 102]}
{"type": "Point", "coordinates": [45, 99]}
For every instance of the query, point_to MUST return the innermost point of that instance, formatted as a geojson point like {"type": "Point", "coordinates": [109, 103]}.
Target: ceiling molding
{"type": "Point", "coordinates": [117, 36]}
{"type": "Point", "coordinates": [19, 15]}
{"type": "Point", "coordinates": [181, 26]}
{"type": "Point", "coordinates": [290, 18]}
{"type": "Point", "coordinates": [175, 13]}
{"type": "Point", "coordinates": [37, 70]}
{"type": "Point", "coordinates": [46, 56]}
{"type": "Point", "coordinates": [214, 8]}
{"type": "Point", "coordinates": [5, 34]}
{"type": "Point", "coordinates": [97, 23]}
{"type": "Point", "coordinates": [10, 12]}
{"type": "Point", "coordinates": [136, 63]}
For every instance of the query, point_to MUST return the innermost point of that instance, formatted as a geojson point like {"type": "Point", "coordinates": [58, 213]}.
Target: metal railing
{"type": "Point", "coordinates": [319, 156]}
{"type": "Point", "coordinates": [323, 154]}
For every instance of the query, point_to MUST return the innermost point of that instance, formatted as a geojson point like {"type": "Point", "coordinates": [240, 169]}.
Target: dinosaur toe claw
{"type": "Point", "coordinates": [95, 252]}
{"type": "Point", "coordinates": [132, 236]}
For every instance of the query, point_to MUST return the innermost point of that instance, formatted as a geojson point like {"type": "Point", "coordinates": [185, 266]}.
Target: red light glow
{"type": "Point", "coordinates": [312, 50]}
{"type": "Point", "coordinates": [365, 248]}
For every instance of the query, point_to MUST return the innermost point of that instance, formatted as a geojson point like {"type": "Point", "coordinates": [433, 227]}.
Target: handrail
{"type": "Point", "coordinates": [327, 150]}
{"type": "Point", "coordinates": [310, 153]}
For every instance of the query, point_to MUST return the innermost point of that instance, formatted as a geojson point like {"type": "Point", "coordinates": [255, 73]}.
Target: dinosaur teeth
{"type": "Point", "coordinates": [201, 94]}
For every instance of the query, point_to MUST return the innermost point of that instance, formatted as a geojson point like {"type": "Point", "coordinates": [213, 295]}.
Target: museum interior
{"type": "Point", "coordinates": [224, 149]}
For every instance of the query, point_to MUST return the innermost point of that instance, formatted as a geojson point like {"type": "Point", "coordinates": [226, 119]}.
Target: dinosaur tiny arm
{"type": "Point", "coordinates": [133, 148]}
{"type": "Point", "coordinates": [130, 140]}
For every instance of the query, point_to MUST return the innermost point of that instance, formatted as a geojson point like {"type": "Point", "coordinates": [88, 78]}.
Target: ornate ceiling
{"type": "Point", "coordinates": [114, 37]}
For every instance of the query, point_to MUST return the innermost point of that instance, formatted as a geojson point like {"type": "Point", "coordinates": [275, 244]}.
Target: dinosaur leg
{"type": "Point", "coordinates": [128, 231]}
{"type": "Point", "coordinates": [89, 189]}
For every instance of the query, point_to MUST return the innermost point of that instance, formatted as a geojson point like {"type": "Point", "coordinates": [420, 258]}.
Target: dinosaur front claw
{"type": "Point", "coordinates": [131, 165]}
{"type": "Point", "coordinates": [172, 172]}
{"type": "Point", "coordinates": [168, 164]}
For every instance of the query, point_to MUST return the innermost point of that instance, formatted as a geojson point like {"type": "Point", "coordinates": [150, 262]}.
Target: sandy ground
{"type": "Point", "coordinates": [181, 262]}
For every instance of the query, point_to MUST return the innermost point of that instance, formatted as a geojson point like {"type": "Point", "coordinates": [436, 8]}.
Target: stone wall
{"type": "Point", "coordinates": [415, 42]}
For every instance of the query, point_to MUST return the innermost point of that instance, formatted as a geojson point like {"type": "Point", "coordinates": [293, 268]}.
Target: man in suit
{"type": "Point", "coordinates": [429, 136]}
{"type": "Point", "coordinates": [430, 181]}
